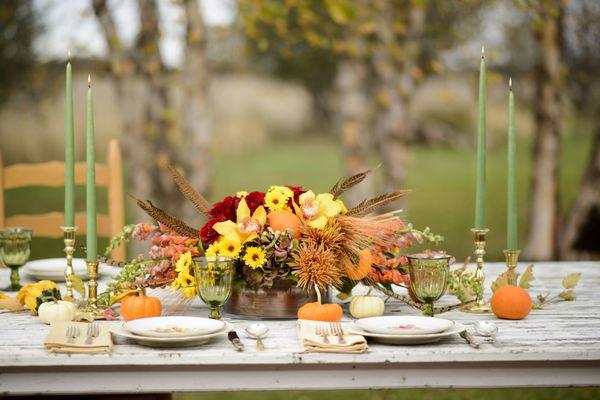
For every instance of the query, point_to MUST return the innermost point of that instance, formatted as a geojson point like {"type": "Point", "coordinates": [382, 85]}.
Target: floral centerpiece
{"type": "Point", "coordinates": [287, 242]}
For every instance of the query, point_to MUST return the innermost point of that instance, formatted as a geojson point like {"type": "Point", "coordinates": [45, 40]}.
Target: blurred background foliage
{"type": "Point", "coordinates": [243, 94]}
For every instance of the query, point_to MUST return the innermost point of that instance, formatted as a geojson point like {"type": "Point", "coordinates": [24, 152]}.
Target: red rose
{"type": "Point", "coordinates": [255, 200]}
{"type": "Point", "coordinates": [226, 208]}
{"type": "Point", "coordinates": [207, 233]}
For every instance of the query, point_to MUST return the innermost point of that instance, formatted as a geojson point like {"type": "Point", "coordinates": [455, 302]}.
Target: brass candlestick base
{"type": "Point", "coordinates": [480, 305]}
{"type": "Point", "coordinates": [92, 304]}
{"type": "Point", "coordinates": [512, 259]}
{"type": "Point", "coordinates": [69, 239]}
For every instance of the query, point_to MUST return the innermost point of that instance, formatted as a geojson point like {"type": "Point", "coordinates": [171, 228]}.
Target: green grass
{"type": "Point", "coordinates": [408, 394]}
{"type": "Point", "coordinates": [443, 180]}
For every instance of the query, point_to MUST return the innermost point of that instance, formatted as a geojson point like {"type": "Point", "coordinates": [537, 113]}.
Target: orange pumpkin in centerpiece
{"type": "Point", "coordinates": [140, 306]}
{"type": "Point", "coordinates": [360, 271]}
{"type": "Point", "coordinates": [511, 302]}
{"type": "Point", "coordinates": [280, 220]}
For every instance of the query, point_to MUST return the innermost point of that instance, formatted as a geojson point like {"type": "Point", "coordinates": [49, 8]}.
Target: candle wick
{"type": "Point", "coordinates": [482, 52]}
{"type": "Point", "coordinates": [89, 80]}
{"type": "Point", "coordinates": [510, 83]}
{"type": "Point", "coordinates": [69, 55]}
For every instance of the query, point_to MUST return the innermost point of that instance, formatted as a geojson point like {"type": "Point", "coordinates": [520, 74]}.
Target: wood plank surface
{"type": "Point", "coordinates": [556, 346]}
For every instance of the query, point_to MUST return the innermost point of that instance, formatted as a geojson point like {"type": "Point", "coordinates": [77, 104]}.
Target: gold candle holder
{"type": "Point", "coordinates": [69, 240]}
{"type": "Point", "coordinates": [92, 303]}
{"type": "Point", "coordinates": [480, 305]}
{"type": "Point", "coordinates": [512, 259]}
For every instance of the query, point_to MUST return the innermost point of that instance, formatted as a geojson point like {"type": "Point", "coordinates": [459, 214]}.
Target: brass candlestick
{"type": "Point", "coordinates": [69, 239]}
{"type": "Point", "coordinates": [480, 305]}
{"type": "Point", "coordinates": [92, 303]}
{"type": "Point", "coordinates": [512, 259]}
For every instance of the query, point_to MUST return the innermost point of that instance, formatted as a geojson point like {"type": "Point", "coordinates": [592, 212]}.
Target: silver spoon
{"type": "Point", "coordinates": [258, 332]}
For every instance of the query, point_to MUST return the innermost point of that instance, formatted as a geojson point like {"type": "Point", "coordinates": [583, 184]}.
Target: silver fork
{"type": "Point", "coordinates": [93, 331]}
{"type": "Point", "coordinates": [72, 333]}
{"type": "Point", "coordinates": [322, 331]}
{"type": "Point", "coordinates": [339, 332]}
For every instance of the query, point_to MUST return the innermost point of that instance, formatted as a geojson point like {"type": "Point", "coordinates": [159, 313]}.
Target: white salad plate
{"type": "Point", "coordinates": [172, 327]}
{"type": "Point", "coordinates": [403, 325]}
{"type": "Point", "coordinates": [455, 329]}
{"type": "Point", "coordinates": [54, 269]}
{"type": "Point", "coordinates": [182, 341]}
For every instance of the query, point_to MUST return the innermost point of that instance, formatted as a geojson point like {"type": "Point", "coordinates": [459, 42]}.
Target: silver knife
{"type": "Point", "coordinates": [470, 339]}
{"type": "Point", "coordinates": [235, 340]}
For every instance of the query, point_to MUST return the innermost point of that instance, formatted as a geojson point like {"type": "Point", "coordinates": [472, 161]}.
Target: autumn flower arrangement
{"type": "Point", "coordinates": [289, 233]}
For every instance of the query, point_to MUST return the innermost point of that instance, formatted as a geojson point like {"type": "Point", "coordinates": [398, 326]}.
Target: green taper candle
{"type": "Point", "coordinates": [69, 151]}
{"type": "Point", "coordinates": [480, 195]}
{"type": "Point", "coordinates": [92, 238]}
{"type": "Point", "coordinates": [512, 238]}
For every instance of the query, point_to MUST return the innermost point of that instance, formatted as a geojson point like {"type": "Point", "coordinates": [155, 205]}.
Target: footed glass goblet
{"type": "Point", "coordinates": [214, 279]}
{"type": "Point", "coordinates": [14, 253]}
{"type": "Point", "coordinates": [429, 277]}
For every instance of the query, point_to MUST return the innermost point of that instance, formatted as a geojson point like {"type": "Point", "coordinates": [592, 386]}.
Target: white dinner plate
{"type": "Point", "coordinates": [455, 329]}
{"type": "Point", "coordinates": [170, 327]}
{"type": "Point", "coordinates": [403, 325]}
{"type": "Point", "coordinates": [184, 341]}
{"type": "Point", "coordinates": [54, 269]}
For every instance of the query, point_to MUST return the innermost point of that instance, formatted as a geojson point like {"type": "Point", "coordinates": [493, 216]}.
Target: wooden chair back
{"type": "Point", "coordinates": [52, 174]}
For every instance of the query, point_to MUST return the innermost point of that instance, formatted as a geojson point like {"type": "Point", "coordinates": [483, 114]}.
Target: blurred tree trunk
{"type": "Point", "coordinates": [196, 117]}
{"type": "Point", "coordinates": [352, 115]}
{"type": "Point", "coordinates": [393, 67]}
{"type": "Point", "coordinates": [587, 199]}
{"type": "Point", "coordinates": [544, 208]}
{"type": "Point", "coordinates": [155, 138]}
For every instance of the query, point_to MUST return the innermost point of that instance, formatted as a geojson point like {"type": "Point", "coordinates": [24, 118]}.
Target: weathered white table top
{"type": "Point", "coordinates": [557, 346]}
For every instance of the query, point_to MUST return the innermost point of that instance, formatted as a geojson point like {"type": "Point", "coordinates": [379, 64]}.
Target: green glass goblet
{"type": "Point", "coordinates": [14, 253]}
{"type": "Point", "coordinates": [214, 279]}
{"type": "Point", "coordinates": [429, 278]}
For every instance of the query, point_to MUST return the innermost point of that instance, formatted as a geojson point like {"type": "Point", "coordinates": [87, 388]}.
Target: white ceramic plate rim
{"type": "Point", "coordinates": [371, 324]}
{"type": "Point", "coordinates": [120, 331]}
{"type": "Point", "coordinates": [135, 328]}
{"type": "Point", "coordinates": [457, 327]}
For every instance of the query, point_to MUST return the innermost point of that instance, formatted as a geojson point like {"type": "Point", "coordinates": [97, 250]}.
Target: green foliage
{"type": "Point", "coordinates": [464, 284]}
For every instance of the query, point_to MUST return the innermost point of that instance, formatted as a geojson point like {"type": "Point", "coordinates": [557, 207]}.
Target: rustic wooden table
{"type": "Point", "coordinates": [557, 346]}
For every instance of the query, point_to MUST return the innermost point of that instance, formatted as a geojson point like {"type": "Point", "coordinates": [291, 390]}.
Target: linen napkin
{"type": "Point", "coordinates": [56, 341]}
{"type": "Point", "coordinates": [313, 343]}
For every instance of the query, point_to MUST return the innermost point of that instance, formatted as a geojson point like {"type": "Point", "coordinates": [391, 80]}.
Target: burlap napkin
{"type": "Point", "coordinates": [56, 341]}
{"type": "Point", "coordinates": [313, 343]}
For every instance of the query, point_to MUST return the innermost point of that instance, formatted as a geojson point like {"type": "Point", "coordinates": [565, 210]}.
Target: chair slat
{"type": "Point", "coordinates": [51, 174]}
{"type": "Point", "coordinates": [48, 225]}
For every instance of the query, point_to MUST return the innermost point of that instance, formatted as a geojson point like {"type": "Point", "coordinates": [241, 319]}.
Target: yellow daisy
{"type": "Point", "coordinates": [284, 190]}
{"type": "Point", "coordinates": [255, 257]}
{"type": "Point", "coordinates": [275, 200]}
{"type": "Point", "coordinates": [212, 250]}
{"type": "Point", "coordinates": [228, 247]}
{"type": "Point", "coordinates": [184, 262]}
{"type": "Point", "coordinates": [187, 284]}
{"type": "Point", "coordinates": [241, 194]}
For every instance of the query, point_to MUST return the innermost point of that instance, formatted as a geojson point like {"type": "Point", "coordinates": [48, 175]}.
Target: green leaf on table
{"type": "Point", "coordinates": [78, 285]}
{"type": "Point", "coordinates": [567, 295]}
{"type": "Point", "coordinates": [571, 280]}
{"type": "Point", "coordinates": [527, 277]}
{"type": "Point", "coordinates": [501, 280]}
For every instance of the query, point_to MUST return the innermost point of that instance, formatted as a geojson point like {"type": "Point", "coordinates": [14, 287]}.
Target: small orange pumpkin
{"type": "Point", "coordinates": [317, 311]}
{"type": "Point", "coordinates": [280, 220]}
{"type": "Point", "coordinates": [358, 272]}
{"type": "Point", "coordinates": [511, 302]}
{"type": "Point", "coordinates": [140, 306]}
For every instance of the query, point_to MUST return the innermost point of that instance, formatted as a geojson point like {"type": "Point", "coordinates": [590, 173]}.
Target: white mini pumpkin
{"type": "Point", "coordinates": [366, 306]}
{"type": "Point", "coordinates": [57, 311]}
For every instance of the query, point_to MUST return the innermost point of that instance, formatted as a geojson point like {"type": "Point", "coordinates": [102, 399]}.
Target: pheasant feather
{"type": "Point", "coordinates": [175, 224]}
{"type": "Point", "coordinates": [199, 202]}
{"type": "Point", "coordinates": [368, 206]}
{"type": "Point", "coordinates": [344, 184]}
